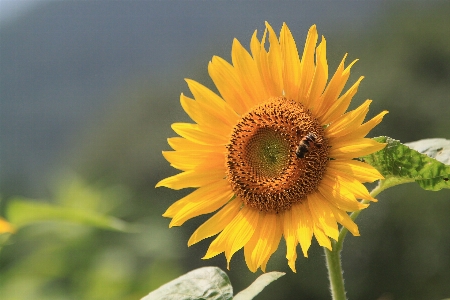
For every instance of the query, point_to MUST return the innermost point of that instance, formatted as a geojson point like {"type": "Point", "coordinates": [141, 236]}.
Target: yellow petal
{"type": "Point", "coordinates": [193, 178]}
{"type": "Point", "coordinates": [275, 64]}
{"type": "Point", "coordinates": [291, 67]}
{"type": "Point", "coordinates": [363, 129]}
{"type": "Point", "coordinates": [349, 121]}
{"type": "Point", "coordinates": [6, 227]}
{"type": "Point", "coordinates": [248, 73]}
{"type": "Point", "coordinates": [339, 107]}
{"type": "Point", "coordinates": [274, 243]}
{"type": "Point", "coordinates": [305, 226]}
{"type": "Point", "coordinates": [263, 243]}
{"type": "Point", "coordinates": [322, 213]}
{"type": "Point", "coordinates": [307, 66]}
{"type": "Point", "coordinates": [359, 170]}
{"type": "Point", "coordinates": [219, 190]}
{"type": "Point", "coordinates": [259, 54]}
{"type": "Point", "coordinates": [189, 160]}
{"type": "Point", "coordinates": [354, 148]}
{"type": "Point", "coordinates": [343, 218]}
{"type": "Point", "coordinates": [320, 74]}
{"type": "Point", "coordinates": [179, 143]}
{"type": "Point", "coordinates": [342, 198]}
{"type": "Point", "coordinates": [256, 46]}
{"type": "Point", "coordinates": [334, 88]}
{"type": "Point", "coordinates": [209, 99]}
{"type": "Point", "coordinates": [339, 196]}
{"type": "Point", "coordinates": [194, 133]}
{"type": "Point", "coordinates": [261, 57]}
{"type": "Point", "coordinates": [351, 184]}
{"type": "Point", "coordinates": [195, 209]}
{"type": "Point", "coordinates": [229, 85]}
{"type": "Point", "coordinates": [321, 237]}
{"type": "Point", "coordinates": [290, 236]}
{"type": "Point", "coordinates": [235, 235]}
{"type": "Point", "coordinates": [207, 118]}
{"type": "Point", "coordinates": [216, 223]}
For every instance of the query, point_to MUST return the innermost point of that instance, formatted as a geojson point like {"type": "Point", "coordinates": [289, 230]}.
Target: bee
{"type": "Point", "coordinates": [305, 144]}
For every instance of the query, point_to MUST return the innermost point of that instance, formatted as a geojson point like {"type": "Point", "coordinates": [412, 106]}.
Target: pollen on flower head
{"type": "Point", "coordinates": [262, 165]}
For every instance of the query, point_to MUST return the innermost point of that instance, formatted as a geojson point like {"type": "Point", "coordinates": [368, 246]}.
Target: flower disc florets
{"type": "Point", "coordinates": [264, 167]}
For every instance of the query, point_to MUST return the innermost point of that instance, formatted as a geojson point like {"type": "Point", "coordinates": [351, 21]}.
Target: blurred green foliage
{"type": "Point", "coordinates": [59, 252]}
{"type": "Point", "coordinates": [403, 251]}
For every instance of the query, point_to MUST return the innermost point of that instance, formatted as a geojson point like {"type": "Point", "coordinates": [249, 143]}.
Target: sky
{"type": "Point", "coordinates": [11, 9]}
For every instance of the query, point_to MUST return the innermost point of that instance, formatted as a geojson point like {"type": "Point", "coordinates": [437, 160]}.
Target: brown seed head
{"type": "Point", "coordinates": [262, 166]}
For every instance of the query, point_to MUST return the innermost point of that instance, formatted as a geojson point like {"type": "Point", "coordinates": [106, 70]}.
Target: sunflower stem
{"type": "Point", "coordinates": [335, 274]}
{"type": "Point", "coordinates": [333, 258]}
{"type": "Point", "coordinates": [378, 189]}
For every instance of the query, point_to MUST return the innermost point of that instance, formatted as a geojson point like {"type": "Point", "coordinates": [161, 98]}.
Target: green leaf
{"type": "Point", "coordinates": [258, 285]}
{"type": "Point", "coordinates": [439, 149]}
{"type": "Point", "coordinates": [400, 164]}
{"type": "Point", "coordinates": [21, 212]}
{"type": "Point", "coordinates": [205, 283]}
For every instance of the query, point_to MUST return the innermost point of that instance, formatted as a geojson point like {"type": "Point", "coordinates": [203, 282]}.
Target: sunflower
{"type": "Point", "coordinates": [274, 153]}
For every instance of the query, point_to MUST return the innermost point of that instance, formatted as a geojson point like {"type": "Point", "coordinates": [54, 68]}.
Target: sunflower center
{"type": "Point", "coordinates": [276, 156]}
{"type": "Point", "coordinates": [267, 152]}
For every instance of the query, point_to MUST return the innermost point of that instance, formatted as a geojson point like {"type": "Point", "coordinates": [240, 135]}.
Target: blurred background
{"type": "Point", "coordinates": [89, 89]}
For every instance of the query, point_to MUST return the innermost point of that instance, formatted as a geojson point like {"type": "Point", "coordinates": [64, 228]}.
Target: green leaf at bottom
{"type": "Point", "coordinates": [258, 285]}
{"type": "Point", "coordinates": [205, 283]}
